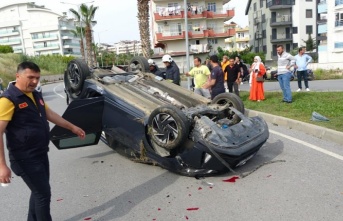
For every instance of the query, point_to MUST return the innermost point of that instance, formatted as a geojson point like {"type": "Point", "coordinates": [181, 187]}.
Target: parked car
{"type": "Point", "coordinates": [151, 120]}
{"type": "Point", "coordinates": [38, 87]}
{"type": "Point", "coordinates": [273, 75]}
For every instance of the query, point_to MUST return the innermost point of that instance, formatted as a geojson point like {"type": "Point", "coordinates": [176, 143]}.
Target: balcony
{"type": "Point", "coordinates": [245, 39]}
{"type": "Point", "coordinates": [67, 27]}
{"type": "Point", "coordinates": [281, 38]}
{"type": "Point", "coordinates": [5, 33]}
{"type": "Point", "coordinates": [169, 36]}
{"type": "Point", "coordinates": [322, 48]}
{"type": "Point", "coordinates": [229, 40]}
{"type": "Point", "coordinates": [221, 32]}
{"type": "Point", "coordinates": [322, 28]}
{"type": "Point", "coordinates": [178, 15]}
{"type": "Point", "coordinates": [338, 3]}
{"type": "Point", "coordinates": [338, 25]}
{"type": "Point", "coordinates": [39, 37]}
{"type": "Point", "coordinates": [71, 45]}
{"type": "Point", "coordinates": [15, 41]}
{"type": "Point", "coordinates": [280, 4]}
{"type": "Point", "coordinates": [45, 47]}
{"type": "Point", "coordinates": [281, 21]}
{"type": "Point", "coordinates": [200, 48]}
{"type": "Point", "coordinates": [258, 35]}
{"type": "Point", "coordinates": [322, 7]}
{"type": "Point", "coordinates": [67, 36]}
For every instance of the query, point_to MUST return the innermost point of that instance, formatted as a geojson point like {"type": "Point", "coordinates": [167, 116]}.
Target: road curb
{"type": "Point", "coordinates": [314, 130]}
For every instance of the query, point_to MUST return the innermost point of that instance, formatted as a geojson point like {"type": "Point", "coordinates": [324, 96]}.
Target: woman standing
{"type": "Point", "coordinates": [257, 71]}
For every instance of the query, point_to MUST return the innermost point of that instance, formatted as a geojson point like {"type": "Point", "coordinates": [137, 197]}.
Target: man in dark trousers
{"type": "Point", "coordinates": [24, 118]}
{"type": "Point", "coordinates": [216, 84]}
{"type": "Point", "coordinates": [172, 70]}
{"type": "Point", "coordinates": [233, 72]}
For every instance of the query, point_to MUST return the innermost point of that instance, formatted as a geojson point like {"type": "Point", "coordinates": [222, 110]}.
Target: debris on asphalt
{"type": "Point", "coordinates": [232, 179]}
{"type": "Point", "coordinates": [192, 208]}
{"type": "Point", "coordinates": [59, 200]}
{"type": "Point", "coordinates": [318, 117]}
{"type": "Point", "coordinates": [205, 183]}
{"type": "Point", "coordinates": [88, 218]}
{"type": "Point", "coordinates": [199, 188]}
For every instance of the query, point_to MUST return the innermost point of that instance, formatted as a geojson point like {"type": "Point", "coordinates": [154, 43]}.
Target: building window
{"type": "Point", "coordinates": [309, 29]}
{"type": "Point", "coordinates": [173, 5]}
{"type": "Point", "coordinates": [263, 18]}
{"type": "Point", "coordinates": [240, 35]}
{"type": "Point", "coordinates": [45, 44]}
{"type": "Point", "coordinates": [339, 19]}
{"type": "Point", "coordinates": [213, 41]}
{"type": "Point", "coordinates": [308, 13]}
{"type": "Point", "coordinates": [295, 45]}
{"type": "Point", "coordinates": [264, 33]}
{"type": "Point", "coordinates": [265, 48]}
{"type": "Point", "coordinates": [295, 30]}
{"type": "Point", "coordinates": [255, 7]}
{"type": "Point", "coordinates": [309, 0]}
{"type": "Point", "coordinates": [261, 3]}
{"type": "Point", "coordinates": [211, 6]}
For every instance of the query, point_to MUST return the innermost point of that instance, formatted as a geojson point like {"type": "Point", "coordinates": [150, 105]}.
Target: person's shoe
{"type": "Point", "coordinates": [307, 89]}
{"type": "Point", "coordinates": [258, 100]}
{"type": "Point", "coordinates": [288, 102]}
{"type": "Point", "coordinates": [299, 89]}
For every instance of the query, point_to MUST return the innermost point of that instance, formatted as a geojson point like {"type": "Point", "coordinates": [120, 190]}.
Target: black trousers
{"type": "Point", "coordinates": [36, 175]}
{"type": "Point", "coordinates": [300, 76]}
{"type": "Point", "coordinates": [233, 85]}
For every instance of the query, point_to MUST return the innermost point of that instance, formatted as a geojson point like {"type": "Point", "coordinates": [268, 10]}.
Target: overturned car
{"type": "Point", "coordinates": [154, 121]}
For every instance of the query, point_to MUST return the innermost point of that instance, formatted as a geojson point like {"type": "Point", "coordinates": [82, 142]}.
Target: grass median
{"type": "Point", "coordinates": [328, 104]}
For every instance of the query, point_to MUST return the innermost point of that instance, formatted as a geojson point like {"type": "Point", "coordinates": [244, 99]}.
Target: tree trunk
{"type": "Point", "coordinates": [82, 48]}
{"type": "Point", "coordinates": [144, 31]}
{"type": "Point", "coordinates": [89, 45]}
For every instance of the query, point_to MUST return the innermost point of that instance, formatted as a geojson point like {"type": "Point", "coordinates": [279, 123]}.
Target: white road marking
{"type": "Point", "coordinates": [58, 93]}
{"type": "Point", "coordinates": [319, 149]}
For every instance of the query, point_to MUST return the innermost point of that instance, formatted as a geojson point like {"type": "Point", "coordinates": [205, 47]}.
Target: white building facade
{"type": "Point", "coordinates": [240, 41]}
{"type": "Point", "coordinates": [206, 30]}
{"type": "Point", "coordinates": [127, 47]}
{"type": "Point", "coordinates": [35, 30]}
{"type": "Point", "coordinates": [330, 32]}
{"type": "Point", "coordinates": [280, 22]}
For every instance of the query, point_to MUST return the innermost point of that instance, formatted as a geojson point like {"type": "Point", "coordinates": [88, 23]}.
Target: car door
{"type": "Point", "coordinates": [86, 114]}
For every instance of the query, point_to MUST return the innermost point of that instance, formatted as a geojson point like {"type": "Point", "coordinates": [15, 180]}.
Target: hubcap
{"type": "Point", "coordinates": [164, 128]}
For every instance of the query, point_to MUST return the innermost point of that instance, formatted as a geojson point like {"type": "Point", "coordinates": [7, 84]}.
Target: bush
{"type": "Point", "coordinates": [6, 49]}
{"type": "Point", "coordinates": [246, 55]}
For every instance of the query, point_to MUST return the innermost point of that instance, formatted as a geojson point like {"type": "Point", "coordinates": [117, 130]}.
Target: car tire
{"type": "Point", "coordinates": [138, 63]}
{"type": "Point", "coordinates": [76, 74]}
{"type": "Point", "coordinates": [168, 127]}
{"type": "Point", "coordinates": [234, 101]}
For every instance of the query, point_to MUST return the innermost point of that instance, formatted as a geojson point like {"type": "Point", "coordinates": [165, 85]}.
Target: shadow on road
{"type": "Point", "coordinates": [122, 204]}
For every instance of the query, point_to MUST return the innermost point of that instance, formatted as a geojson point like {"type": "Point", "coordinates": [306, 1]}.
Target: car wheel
{"type": "Point", "coordinates": [234, 101]}
{"type": "Point", "coordinates": [77, 72]}
{"type": "Point", "coordinates": [168, 127]}
{"type": "Point", "coordinates": [139, 63]}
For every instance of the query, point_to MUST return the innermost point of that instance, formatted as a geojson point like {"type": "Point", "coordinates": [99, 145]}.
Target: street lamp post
{"type": "Point", "coordinates": [102, 64]}
{"type": "Point", "coordinates": [78, 7]}
{"type": "Point", "coordinates": [187, 43]}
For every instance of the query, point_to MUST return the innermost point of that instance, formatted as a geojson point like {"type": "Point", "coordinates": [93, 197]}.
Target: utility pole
{"type": "Point", "coordinates": [187, 43]}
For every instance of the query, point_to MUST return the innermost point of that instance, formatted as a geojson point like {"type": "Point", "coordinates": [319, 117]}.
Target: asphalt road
{"type": "Point", "coordinates": [96, 183]}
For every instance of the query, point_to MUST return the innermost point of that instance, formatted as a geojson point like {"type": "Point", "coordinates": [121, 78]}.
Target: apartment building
{"type": "Point", "coordinates": [35, 30]}
{"type": "Point", "coordinates": [330, 31]}
{"type": "Point", "coordinates": [206, 30]}
{"type": "Point", "coordinates": [239, 41]}
{"type": "Point", "coordinates": [127, 47]}
{"type": "Point", "coordinates": [280, 22]}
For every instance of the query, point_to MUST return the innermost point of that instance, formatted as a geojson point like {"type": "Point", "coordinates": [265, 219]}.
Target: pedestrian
{"type": "Point", "coordinates": [301, 62]}
{"type": "Point", "coordinates": [225, 63]}
{"type": "Point", "coordinates": [216, 84]}
{"type": "Point", "coordinates": [201, 75]}
{"type": "Point", "coordinates": [233, 73]}
{"type": "Point", "coordinates": [239, 63]}
{"type": "Point", "coordinates": [24, 119]}
{"type": "Point", "coordinates": [172, 70]}
{"type": "Point", "coordinates": [154, 69]}
{"type": "Point", "coordinates": [256, 80]}
{"type": "Point", "coordinates": [285, 63]}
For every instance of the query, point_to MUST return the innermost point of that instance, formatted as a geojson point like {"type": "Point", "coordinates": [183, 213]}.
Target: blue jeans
{"type": "Point", "coordinates": [284, 81]}
{"type": "Point", "coordinates": [300, 75]}
{"type": "Point", "coordinates": [35, 173]}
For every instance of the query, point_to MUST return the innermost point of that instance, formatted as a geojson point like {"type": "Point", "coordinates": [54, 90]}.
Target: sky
{"type": "Point", "coordinates": [117, 19]}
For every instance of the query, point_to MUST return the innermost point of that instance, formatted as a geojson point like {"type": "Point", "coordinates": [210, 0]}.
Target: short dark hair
{"type": "Point", "coordinates": [199, 59]}
{"type": "Point", "coordinates": [279, 46]}
{"type": "Point", "coordinates": [300, 49]}
{"type": "Point", "coordinates": [28, 65]}
{"type": "Point", "coordinates": [214, 58]}
{"type": "Point", "coordinates": [238, 57]}
{"type": "Point", "coordinates": [231, 58]}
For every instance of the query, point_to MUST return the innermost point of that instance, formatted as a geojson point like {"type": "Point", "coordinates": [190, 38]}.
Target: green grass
{"type": "Point", "coordinates": [328, 104]}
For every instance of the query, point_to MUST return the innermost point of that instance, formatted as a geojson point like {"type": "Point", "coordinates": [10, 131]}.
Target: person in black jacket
{"type": "Point", "coordinates": [154, 69]}
{"type": "Point", "coordinates": [24, 118]}
{"type": "Point", "coordinates": [172, 70]}
{"type": "Point", "coordinates": [233, 73]}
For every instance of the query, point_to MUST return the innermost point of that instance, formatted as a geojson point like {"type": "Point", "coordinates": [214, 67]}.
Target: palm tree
{"type": "Point", "coordinates": [78, 34]}
{"type": "Point", "coordinates": [143, 22]}
{"type": "Point", "coordinates": [86, 17]}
